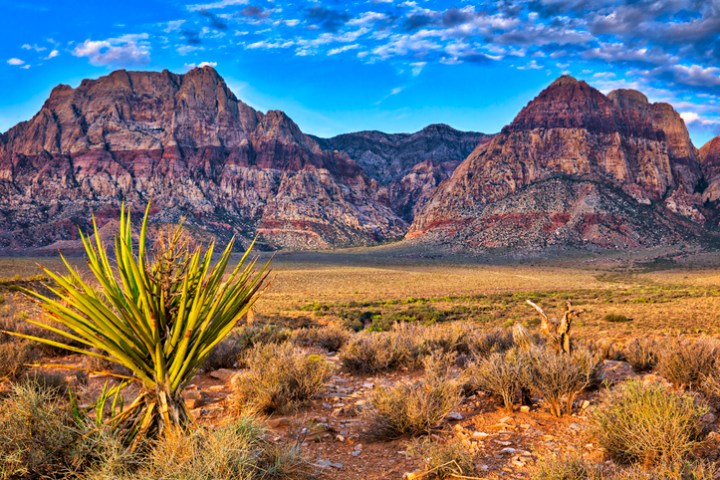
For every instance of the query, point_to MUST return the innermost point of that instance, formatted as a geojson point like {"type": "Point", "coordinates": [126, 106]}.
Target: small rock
{"type": "Point", "coordinates": [508, 450]}
{"type": "Point", "coordinates": [223, 374]}
{"type": "Point", "coordinates": [322, 463]}
{"type": "Point", "coordinates": [368, 385]}
{"type": "Point", "coordinates": [525, 408]}
{"type": "Point", "coordinates": [480, 435]}
{"type": "Point", "coordinates": [454, 416]}
{"type": "Point", "coordinates": [339, 438]}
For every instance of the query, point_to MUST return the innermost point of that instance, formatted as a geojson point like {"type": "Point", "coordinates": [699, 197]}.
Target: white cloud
{"type": "Point", "coordinates": [190, 66]}
{"type": "Point", "coordinates": [52, 54]}
{"type": "Point", "coordinates": [417, 67]}
{"type": "Point", "coordinates": [15, 62]}
{"type": "Point", "coordinates": [215, 5]}
{"type": "Point", "coordinates": [173, 26]}
{"type": "Point", "coordinates": [335, 51]}
{"type": "Point", "coordinates": [130, 49]}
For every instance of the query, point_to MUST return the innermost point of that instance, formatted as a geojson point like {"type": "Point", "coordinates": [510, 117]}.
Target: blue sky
{"type": "Point", "coordinates": [338, 66]}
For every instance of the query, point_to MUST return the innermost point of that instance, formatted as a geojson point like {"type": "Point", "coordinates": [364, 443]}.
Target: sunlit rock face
{"type": "Point", "coordinates": [189, 145]}
{"type": "Point", "coordinates": [575, 168]}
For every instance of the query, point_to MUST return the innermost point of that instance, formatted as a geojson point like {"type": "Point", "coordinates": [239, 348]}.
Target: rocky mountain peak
{"type": "Point", "coordinates": [185, 141]}
{"type": "Point", "coordinates": [588, 147]}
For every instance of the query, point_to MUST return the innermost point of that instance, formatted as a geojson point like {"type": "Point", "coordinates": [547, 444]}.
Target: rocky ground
{"type": "Point", "coordinates": [335, 435]}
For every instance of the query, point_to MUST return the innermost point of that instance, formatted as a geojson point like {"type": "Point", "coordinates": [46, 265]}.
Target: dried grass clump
{"type": "Point", "coordinates": [235, 451]}
{"type": "Point", "coordinates": [501, 375]}
{"type": "Point", "coordinates": [695, 470]}
{"type": "Point", "coordinates": [453, 338]}
{"type": "Point", "coordinates": [641, 353]}
{"type": "Point", "coordinates": [558, 378]}
{"type": "Point", "coordinates": [279, 378]}
{"type": "Point", "coordinates": [443, 459]}
{"type": "Point", "coordinates": [331, 337]}
{"type": "Point", "coordinates": [648, 425]}
{"type": "Point", "coordinates": [370, 352]}
{"type": "Point", "coordinates": [415, 408]}
{"type": "Point", "coordinates": [38, 433]}
{"type": "Point", "coordinates": [496, 340]}
{"type": "Point", "coordinates": [566, 468]}
{"type": "Point", "coordinates": [14, 355]}
{"type": "Point", "coordinates": [686, 362]}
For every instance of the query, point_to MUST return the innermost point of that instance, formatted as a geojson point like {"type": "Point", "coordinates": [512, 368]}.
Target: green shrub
{"type": "Point", "coordinates": [157, 311]}
{"type": "Point", "coordinates": [686, 362]}
{"type": "Point", "coordinates": [559, 377]}
{"type": "Point", "coordinates": [279, 378]}
{"type": "Point", "coordinates": [414, 408]}
{"type": "Point", "coordinates": [501, 375]}
{"type": "Point", "coordinates": [648, 425]}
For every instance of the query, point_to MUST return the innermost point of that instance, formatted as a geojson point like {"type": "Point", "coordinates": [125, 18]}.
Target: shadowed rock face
{"type": "Point", "coordinates": [610, 160]}
{"type": "Point", "coordinates": [187, 143]}
{"type": "Point", "coordinates": [411, 165]}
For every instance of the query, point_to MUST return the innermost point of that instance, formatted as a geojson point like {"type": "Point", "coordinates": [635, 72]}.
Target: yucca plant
{"type": "Point", "coordinates": [157, 312]}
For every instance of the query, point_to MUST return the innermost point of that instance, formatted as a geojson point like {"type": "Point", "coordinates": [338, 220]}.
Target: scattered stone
{"type": "Point", "coordinates": [457, 416]}
{"type": "Point", "coordinates": [223, 374]}
{"type": "Point", "coordinates": [508, 450]}
{"type": "Point", "coordinates": [322, 463]}
{"type": "Point", "coordinates": [525, 408]}
{"type": "Point", "coordinates": [480, 435]}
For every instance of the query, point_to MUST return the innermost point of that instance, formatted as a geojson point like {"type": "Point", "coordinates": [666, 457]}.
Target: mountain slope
{"type": "Point", "coordinates": [594, 148]}
{"type": "Point", "coordinates": [187, 143]}
{"type": "Point", "coordinates": [412, 165]}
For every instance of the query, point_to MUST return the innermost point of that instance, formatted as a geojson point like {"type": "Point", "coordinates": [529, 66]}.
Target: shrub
{"type": "Point", "coordinates": [501, 375]}
{"type": "Point", "coordinates": [235, 451]}
{"type": "Point", "coordinates": [228, 353]}
{"type": "Point", "coordinates": [496, 340]}
{"type": "Point", "coordinates": [641, 353]}
{"type": "Point", "coordinates": [441, 460]}
{"type": "Point", "coordinates": [13, 357]}
{"type": "Point", "coordinates": [566, 468]}
{"type": "Point", "coordinates": [456, 337]}
{"type": "Point", "coordinates": [331, 337]}
{"type": "Point", "coordinates": [616, 318]}
{"type": "Point", "coordinates": [279, 378]}
{"type": "Point", "coordinates": [158, 312]}
{"type": "Point", "coordinates": [415, 408]}
{"type": "Point", "coordinates": [559, 377]}
{"type": "Point", "coordinates": [38, 433]}
{"type": "Point", "coordinates": [686, 362]}
{"type": "Point", "coordinates": [648, 425]}
{"type": "Point", "coordinates": [698, 470]}
{"type": "Point", "coordinates": [370, 352]}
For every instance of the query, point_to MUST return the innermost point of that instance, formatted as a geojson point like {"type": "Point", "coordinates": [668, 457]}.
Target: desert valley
{"type": "Point", "coordinates": [539, 302]}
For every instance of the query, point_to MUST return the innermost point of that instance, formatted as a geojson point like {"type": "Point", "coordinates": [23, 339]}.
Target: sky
{"type": "Point", "coordinates": [340, 66]}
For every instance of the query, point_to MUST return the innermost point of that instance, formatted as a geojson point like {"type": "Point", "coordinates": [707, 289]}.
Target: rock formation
{"type": "Point", "coordinates": [187, 143]}
{"type": "Point", "coordinates": [577, 168]}
{"type": "Point", "coordinates": [410, 165]}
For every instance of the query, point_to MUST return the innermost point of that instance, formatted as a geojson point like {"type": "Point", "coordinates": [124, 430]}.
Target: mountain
{"type": "Point", "coordinates": [574, 168]}
{"type": "Point", "coordinates": [411, 165]}
{"type": "Point", "coordinates": [187, 143]}
{"type": "Point", "coordinates": [710, 161]}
